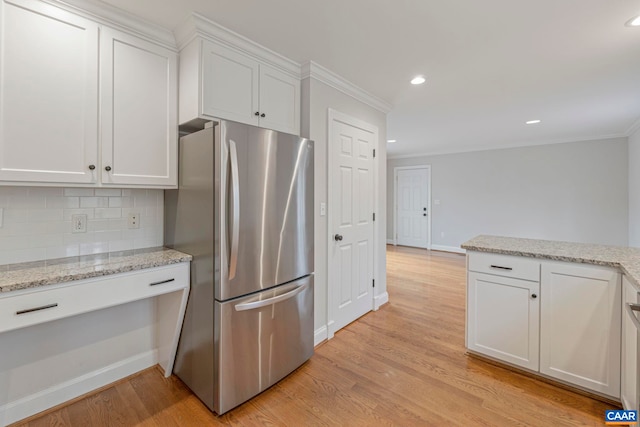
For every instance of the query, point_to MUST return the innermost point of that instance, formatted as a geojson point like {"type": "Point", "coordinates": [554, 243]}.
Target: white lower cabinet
{"type": "Point", "coordinates": [566, 326]}
{"type": "Point", "coordinates": [503, 318]}
{"type": "Point", "coordinates": [580, 326]}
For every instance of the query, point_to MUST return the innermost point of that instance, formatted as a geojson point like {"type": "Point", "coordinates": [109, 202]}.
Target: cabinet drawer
{"type": "Point", "coordinates": [504, 265]}
{"type": "Point", "coordinates": [30, 307]}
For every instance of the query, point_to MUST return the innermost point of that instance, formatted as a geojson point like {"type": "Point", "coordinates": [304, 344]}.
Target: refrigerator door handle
{"type": "Point", "coordinates": [235, 216]}
{"type": "Point", "coordinates": [270, 301]}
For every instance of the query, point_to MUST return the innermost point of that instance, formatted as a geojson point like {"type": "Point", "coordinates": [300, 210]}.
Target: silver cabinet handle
{"type": "Point", "coordinates": [270, 301]}
{"type": "Point", "coordinates": [630, 309]}
{"type": "Point", "coordinates": [162, 282]}
{"type": "Point", "coordinates": [31, 310]}
{"type": "Point", "coordinates": [499, 267]}
{"type": "Point", "coordinates": [235, 229]}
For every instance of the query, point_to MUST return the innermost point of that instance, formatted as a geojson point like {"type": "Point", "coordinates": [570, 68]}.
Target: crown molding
{"type": "Point", "coordinates": [199, 26]}
{"type": "Point", "coordinates": [502, 147]}
{"type": "Point", "coordinates": [106, 14]}
{"type": "Point", "coordinates": [328, 77]}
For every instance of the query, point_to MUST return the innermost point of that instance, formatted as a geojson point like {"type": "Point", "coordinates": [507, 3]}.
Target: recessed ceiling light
{"type": "Point", "coordinates": [391, 141]}
{"type": "Point", "coordinates": [633, 22]}
{"type": "Point", "coordinates": [533, 122]}
{"type": "Point", "coordinates": [418, 80]}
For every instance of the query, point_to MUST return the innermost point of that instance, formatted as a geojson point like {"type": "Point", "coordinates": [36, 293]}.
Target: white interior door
{"type": "Point", "coordinates": [412, 207]}
{"type": "Point", "coordinates": [351, 211]}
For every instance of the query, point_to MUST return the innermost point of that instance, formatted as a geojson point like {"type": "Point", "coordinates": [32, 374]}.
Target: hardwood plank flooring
{"type": "Point", "coordinates": [404, 365]}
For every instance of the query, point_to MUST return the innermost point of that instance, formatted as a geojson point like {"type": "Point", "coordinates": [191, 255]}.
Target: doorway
{"type": "Point", "coordinates": [412, 206]}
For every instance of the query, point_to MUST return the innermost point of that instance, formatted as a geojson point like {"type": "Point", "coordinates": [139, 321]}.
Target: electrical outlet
{"type": "Point", "coordinates": [134, 220]}
{"type": "Point", "coordinates": [79, 223]}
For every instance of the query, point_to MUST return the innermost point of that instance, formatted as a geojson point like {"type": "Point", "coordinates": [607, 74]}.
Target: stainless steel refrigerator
{"type": "Point", "coordinates": [244, 210]}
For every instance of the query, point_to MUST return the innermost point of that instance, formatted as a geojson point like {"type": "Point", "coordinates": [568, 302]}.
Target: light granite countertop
{"type": "Point", "coordinates": [625, 258]}
{"type": "Point", "coordinates": [41, 273]}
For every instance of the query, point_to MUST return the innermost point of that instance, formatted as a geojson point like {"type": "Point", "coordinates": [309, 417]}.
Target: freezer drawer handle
{"type": "Point", "coordinates": [270, 301]}
{"type": "Point", "coordinates": [630, 309]}
{"type": "Point", "coordinates": [162, 282]}
{"type": "Point", "coordinates": [31, 310]}
{"type": "Point", "coordinates": [499, 267]}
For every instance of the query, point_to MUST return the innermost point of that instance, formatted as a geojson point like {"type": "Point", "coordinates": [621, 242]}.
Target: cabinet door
{"type": "Point", "coordinates": [279, 101]}
{"type": "Point", "coordinates": [502, 318]}
{"type": "Point", "coordinates": [629, 386]}
{"type": "Point", "coordinates": [48, 94]}
{"type": "Point", "coordinates": [580, 326]}
{"type": "Point", "coordinates": [139, 111]}
{"type": "Point", "coordinates": [229, 84]}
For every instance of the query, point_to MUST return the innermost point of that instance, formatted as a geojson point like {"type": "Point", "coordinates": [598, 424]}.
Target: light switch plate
{"type": "Point", "coordinates": [323, 208]}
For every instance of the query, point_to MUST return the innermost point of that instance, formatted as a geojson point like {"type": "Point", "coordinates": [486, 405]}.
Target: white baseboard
{"type": "Point", "coordinates": [391, 242]}
{"type": "Point", "coordinates": [60, 393]}
{"type": "Point", "coordinates": [320, 335]}
{"type": "Point", "coordinates": [380, 300]}
{"type": "Point", "coordinates": [454, 249]}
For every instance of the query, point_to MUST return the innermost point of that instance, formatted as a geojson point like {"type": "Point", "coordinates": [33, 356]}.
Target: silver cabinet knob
{"type": "Point", "coordinates": [337, 237]}
{"type": "Point", "coordinates": [107, 168]}
{"type": "Point", "coordinates": [534, 296]}
{"type": "Point", "coordinates": [92, 167]}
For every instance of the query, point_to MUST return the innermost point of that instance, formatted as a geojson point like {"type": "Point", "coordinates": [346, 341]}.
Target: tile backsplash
{"type": "Point", "coordinates": [36, 221]}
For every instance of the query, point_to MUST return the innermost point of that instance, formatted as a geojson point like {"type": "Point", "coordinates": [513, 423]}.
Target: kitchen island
{"type": "Point", "coordinates": [551, 308]}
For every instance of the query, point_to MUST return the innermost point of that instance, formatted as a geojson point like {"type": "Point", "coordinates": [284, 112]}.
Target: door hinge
{"type": "Point", "coordinates": [374, 153]}
{"type": "Point", "coordinates": [374, 216]}
{"type": "Point", "coordinates": [373, 283]}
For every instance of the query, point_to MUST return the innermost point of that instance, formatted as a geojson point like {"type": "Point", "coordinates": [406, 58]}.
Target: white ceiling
{"type": "Point", "coordinates": [490, 65]}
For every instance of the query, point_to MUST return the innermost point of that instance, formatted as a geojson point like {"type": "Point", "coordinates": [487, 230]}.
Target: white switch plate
{"type": "Point", "coordinates": [1, 216]}
{"type": "Point", "coordinates": [134, 220]}
{"type": "Point", "coordinates": [323, 208]}
{"type": "Point", "coordinates": [79, 223]}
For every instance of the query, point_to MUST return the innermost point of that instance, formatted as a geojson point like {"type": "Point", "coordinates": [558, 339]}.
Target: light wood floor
{"type": "Point", "coordinates": [404, 365]}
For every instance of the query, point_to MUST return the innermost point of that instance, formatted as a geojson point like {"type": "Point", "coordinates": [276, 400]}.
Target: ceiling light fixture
{"type": "Point", "coordinates": [418, 80]}
{"type": "Point", "coordinates": [391, 141]}
{"type": "Point", "coordinates": [633, 22]}
{"type": "Point", "coordinates": [533, 122]}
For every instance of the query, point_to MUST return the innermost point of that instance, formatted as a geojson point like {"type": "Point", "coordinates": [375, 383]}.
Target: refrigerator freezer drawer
{"type": "Point", "coordinates": [262, 338]}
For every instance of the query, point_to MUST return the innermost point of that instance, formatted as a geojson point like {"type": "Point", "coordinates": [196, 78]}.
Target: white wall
{"type": "Point", "coordinates": [574, 192]}
{"type": "Point", "coordinates": [634, 189]}
{"type": "Point", "coordinates": [37, 221]}
{"type": "Point", "coordinates": [317, 98]}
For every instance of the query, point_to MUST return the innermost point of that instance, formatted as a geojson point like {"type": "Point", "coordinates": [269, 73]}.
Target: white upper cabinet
{"type": "Point", "coordinates": [229, 84]}
{"type": "Point", "coordinates": [48, 94]}
{"type": "Point", "coordinates": [81, 103]}
{"type": "Point", "coordinates": [139, 111]}
{"type": "Point", "coordinates": [220, 82]}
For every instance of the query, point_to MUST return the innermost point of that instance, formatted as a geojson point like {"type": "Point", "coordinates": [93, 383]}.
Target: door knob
{"type": "Point", "coordinates": [337, 237]}
{"type": "Point", "coordinates": [263, 115]}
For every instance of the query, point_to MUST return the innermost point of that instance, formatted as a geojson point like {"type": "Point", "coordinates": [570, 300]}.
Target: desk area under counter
{"type": "Point", "coordinates": [552, 308]}
{"type": "Point", "coordinates": [73, 325]}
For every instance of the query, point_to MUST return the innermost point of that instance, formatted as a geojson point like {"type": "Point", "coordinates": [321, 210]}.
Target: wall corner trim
{"type": "Point", "coordinates": [328, 77]}
{"type": "Point", "coordinates": [380, 300]}
{"type": "Point", "coordinates": [320, 335]}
